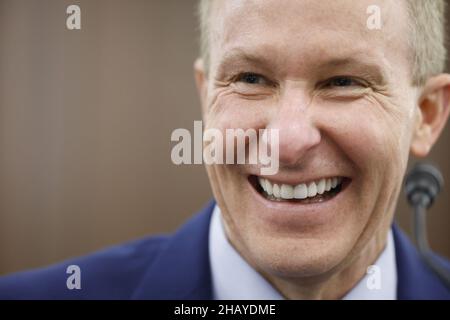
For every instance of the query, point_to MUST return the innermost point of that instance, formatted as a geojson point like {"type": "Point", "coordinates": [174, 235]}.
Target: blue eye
{"type": "Point", "coordinates": [343, 82]}
{"type": "Point", "coordinates": [251, 78]}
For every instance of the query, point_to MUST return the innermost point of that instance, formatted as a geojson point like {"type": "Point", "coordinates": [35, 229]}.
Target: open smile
{"type": "Point", "coordinates": [310, 192]}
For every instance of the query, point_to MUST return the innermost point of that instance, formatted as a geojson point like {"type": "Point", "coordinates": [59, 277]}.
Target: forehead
{"type": "Point", "coordinates": [308, 30]}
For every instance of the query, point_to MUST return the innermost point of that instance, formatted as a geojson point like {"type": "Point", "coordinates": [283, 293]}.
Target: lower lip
{"type": "Point", "coordinates": [292, 213]}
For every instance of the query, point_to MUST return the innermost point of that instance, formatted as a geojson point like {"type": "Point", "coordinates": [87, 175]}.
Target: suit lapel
{"type": "Point", "coordinates": [181, 270]}
{"type": "Point", "coordinates": [415, 280]}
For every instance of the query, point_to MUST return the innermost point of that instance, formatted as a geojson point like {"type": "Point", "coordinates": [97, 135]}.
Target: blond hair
{"type": "Point", "coordinates": [427, 38]}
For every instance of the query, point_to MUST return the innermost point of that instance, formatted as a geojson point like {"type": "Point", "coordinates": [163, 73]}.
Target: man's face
{"type": "Point", "coordinates": [341, 98]}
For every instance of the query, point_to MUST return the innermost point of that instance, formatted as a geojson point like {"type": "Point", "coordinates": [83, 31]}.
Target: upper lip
{"type": "Point", "coordinates": [295, 180]}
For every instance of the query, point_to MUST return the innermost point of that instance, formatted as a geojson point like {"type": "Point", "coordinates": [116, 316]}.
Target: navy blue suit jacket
{"type": "Point", "coordinates": [177, 267]}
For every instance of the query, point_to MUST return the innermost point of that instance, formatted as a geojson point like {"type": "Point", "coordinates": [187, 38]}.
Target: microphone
{"type": "Point", "coordinates": [422, 185]}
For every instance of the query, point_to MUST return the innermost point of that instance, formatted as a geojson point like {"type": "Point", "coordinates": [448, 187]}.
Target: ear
{"type": "Point", "coordinates": [201, 80]}
{"type": "Point", "coordinates": [434, 107]}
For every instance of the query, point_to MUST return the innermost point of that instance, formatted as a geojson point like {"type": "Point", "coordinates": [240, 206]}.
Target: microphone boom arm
{"type": "Point", "coordinates": [422, 185]}
{"type": "Point", "coordinates": [420, 233]}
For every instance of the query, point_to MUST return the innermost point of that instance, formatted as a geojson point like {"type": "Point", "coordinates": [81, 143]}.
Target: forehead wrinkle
{"type": "Point", "coordinates": [271, 48]}
{"type": "Point", "coordinates": [316, 34]}
{"type": "Point", "coordinates": [243, 56]}
{"type": "Point", "coordinates": [271, 60]}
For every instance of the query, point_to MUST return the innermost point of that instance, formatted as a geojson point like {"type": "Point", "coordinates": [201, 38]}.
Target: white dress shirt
{"type": "Point", "coordinates": [233, 278]}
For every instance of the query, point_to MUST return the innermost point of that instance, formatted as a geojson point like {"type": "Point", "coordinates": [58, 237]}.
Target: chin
{"type": "Point", "coordinates": [296, 258]}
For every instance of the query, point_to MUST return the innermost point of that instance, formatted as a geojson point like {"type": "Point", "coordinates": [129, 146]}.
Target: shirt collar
{"type": "Point", "coordinates": [234, 279]}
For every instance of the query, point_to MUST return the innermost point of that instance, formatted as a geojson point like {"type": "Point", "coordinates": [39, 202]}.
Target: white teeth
{"type": "Point", "coordinates": [312, 190]}
{"type": "Point", "coordinates": [300, 191]}
{"type": "Point", "coordinates": [334, 182]}
{"type": "Point", "coordinates": [276, 191]}
{"type": "Point", "coordinates": [287, 191]}
{"type": "Point", "coordinates": [321, 186]}
{"type": "Point", "coordinates": [262, 182]}
{"type": "Point", "coordinates": [269, 188]}
{"type": "Point", "coordinates": [328, 185]}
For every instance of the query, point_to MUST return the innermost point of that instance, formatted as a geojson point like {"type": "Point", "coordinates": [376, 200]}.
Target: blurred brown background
{"type": "Point", "coordinates": [85, 124]}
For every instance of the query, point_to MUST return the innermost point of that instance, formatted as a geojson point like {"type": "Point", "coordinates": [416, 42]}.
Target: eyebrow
{"type": "Point", "coordinates": [240, 54]}
{"type": "Point", "coordinates": [367, 66]}
{"type": "Point", "coordinates": [240, 57]}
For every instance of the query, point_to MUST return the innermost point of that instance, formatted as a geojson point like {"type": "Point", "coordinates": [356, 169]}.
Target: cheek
{"type": "Point", "coordinates": [231, 112]}
{"type": "Point", "coordinates": [372, 136]}
{"type": "Point", "coordinates": [227, 112]}
{"type": "Point", "coordinates": [376, 142]}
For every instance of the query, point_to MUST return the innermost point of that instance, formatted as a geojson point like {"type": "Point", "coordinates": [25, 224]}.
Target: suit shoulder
{"type": "Point", "coordinates": [111, 273]}
{"type": "Point", "coordinates": [416, 280]}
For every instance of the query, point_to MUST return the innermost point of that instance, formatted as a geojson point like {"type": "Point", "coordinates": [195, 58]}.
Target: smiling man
{"type": "Point", "coordinates": [350, 104]}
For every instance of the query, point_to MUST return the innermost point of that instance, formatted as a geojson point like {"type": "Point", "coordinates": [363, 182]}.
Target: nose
{"type": "Point", "coordinates": [297, 130]}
